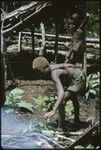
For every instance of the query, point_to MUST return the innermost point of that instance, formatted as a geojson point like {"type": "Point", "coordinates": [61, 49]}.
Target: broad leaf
{"type": "Point", "coordinates": [25, 105]}
{"type": "Point", "coordinates": [79, 147]}
{"type": "Point", "coordinates": [92, 91]}
{"type": "Point", "coordinates": [17, 94]}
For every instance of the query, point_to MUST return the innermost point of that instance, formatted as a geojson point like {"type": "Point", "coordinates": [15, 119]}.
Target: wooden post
{"type": "Point", "coordinates": [2, 98]}
{"type": "Point", "coordinates": [33, 38]}
{"type": "Point", "coordinates": [41, 52]}
{"type": "Point", "coordinates": [85, 63]}
{"type": "Point", "coordinates": [83, 47]}
{"type": "Point", "coordinates": [19, 42]}
{"type": "Point", "coordinates": [56, 38]}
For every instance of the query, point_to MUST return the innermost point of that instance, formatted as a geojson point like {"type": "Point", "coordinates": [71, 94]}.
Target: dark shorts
{"type": "Point", "coordinates": [79, 85]}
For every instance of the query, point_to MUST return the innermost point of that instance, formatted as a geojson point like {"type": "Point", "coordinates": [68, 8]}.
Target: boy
{"type": "Point", "coordinates": [69, 81]}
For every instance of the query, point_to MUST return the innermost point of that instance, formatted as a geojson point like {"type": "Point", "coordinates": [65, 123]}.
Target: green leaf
{"type": "Point", "coordinates": [92, 91]}
{"type": "Point", "coordinates": [48, 132]}
{"type": "Point", "coordinates": [7, 102]}
{"type": "Point", "coordinates": [69, 108]}
{"type": "Point", "coordinates": [17, 94]}
{"type": "Point", "coordinates": [90, 146]}
{"type": "Point", "coordinates": [87, 95]}
{"type": "Point", "coordinates": [93, 84]}
{"type": "Point", "coordinates": [79, 147]}
{"type": "Point", "coordinates": [25, 105]}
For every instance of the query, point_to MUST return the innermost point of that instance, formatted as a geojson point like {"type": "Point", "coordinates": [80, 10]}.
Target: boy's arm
{"type": "Point", "coordinates": [60, 94]}
{"type": "Point", "coordinates": [60, 90]}
{"type": "Point", "coordinates": [60, 66]}
{"type": "Point", "coordinates": [84, 21]}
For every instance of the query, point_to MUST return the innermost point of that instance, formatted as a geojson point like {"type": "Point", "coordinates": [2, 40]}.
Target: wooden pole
{"type": "Point", "coordinates": [63, 38]}
{"type": "Point", "coordinates": [2, 98]}
{"type": "Point", "coordinates": [56, 37]}
{"type": "Point", "coordinates": [85, 63]}
{"type": "Point", "coordinates": [33, 37]}
{"type": "Point", "coordinates": [83, 47]}
{"type": "Point", "coordinates": [19, 42]}
{"type": "Point", "coordinates": [42, 49]}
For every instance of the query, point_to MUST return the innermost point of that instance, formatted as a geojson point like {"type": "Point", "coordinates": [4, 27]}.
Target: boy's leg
{"type": "Point", "coordinates": [73, 96]}
{"type": "Point", "coordinates": [76, 108]}
{"type": "Point", "coordinates": [61, 116]}
{"type": "Point", "coordinates": [61, 111]}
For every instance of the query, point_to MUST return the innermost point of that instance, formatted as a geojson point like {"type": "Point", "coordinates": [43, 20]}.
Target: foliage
{"type": "Point", "coordinates": [46, 103]}
{"type": "Point", "coordinates": [93, 27]}
{"type": "Point", "coordinates": [93, 85]}
{"type": "Point", "coordinates": [45, 128]}
{"type": "Point", "coordinates": [14, 100]}
{"type": "Point", "coordinates": [86, 147]}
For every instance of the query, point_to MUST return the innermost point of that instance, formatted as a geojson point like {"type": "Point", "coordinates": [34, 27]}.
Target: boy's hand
{"type": "Point", "coordinates": [49, 114]}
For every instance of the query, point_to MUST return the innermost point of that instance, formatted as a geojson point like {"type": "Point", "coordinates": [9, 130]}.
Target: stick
{"type": "Point", "coordinates": [85, 136]}
{"type": "Point", "coordinates": [66, 138]}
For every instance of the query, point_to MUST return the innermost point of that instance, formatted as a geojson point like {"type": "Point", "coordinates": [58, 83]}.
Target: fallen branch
{"type": "Point", "coordinates": [66, 138]}
{"type": "Point", "coordinates": [76, 133]}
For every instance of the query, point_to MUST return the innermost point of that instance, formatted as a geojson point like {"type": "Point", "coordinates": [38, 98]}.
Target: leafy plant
{"type": "Point", "coordinates": [46, 102]}
{"type": "Point", "coordinates": [93, 84]}
{"type": "Point", "coordinates": [69, 108]}
{"type": "Point", "coordinates": [14, 100]}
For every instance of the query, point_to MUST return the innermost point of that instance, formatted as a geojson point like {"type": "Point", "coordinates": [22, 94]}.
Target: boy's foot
{"type": "Point", "coordinates": [60, 130]}
{"type": "Point", "coordinates": [77, 121]}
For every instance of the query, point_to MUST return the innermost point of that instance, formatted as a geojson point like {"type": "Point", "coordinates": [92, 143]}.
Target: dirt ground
{"type": "Point", "coordinates": [35, 88]}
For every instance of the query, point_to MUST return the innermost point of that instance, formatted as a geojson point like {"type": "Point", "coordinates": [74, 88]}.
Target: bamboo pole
{"type": "Point", "coordinates": [62, 37]}
{"type": "Point", "coordinates": [19, 42]}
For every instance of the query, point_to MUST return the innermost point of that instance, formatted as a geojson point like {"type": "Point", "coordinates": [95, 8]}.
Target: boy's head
{"type": "Point", "coordinates": [40, 64]}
